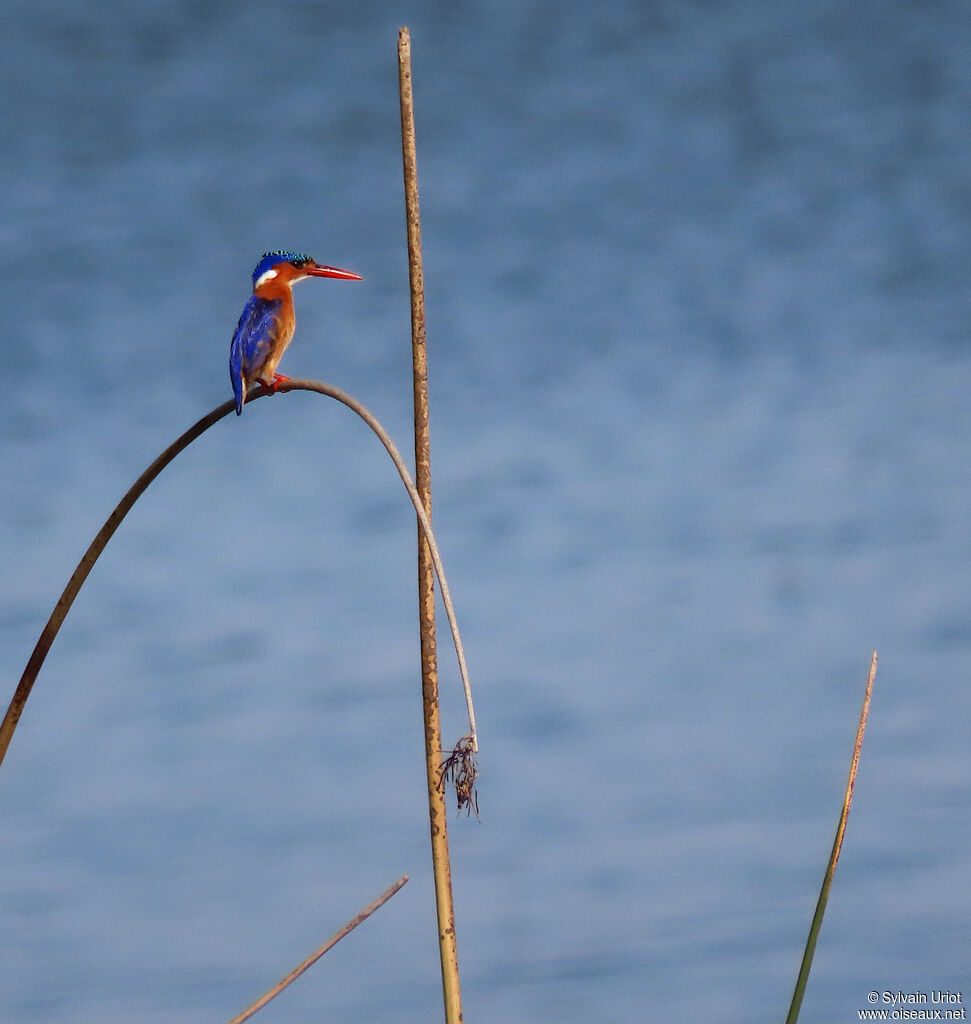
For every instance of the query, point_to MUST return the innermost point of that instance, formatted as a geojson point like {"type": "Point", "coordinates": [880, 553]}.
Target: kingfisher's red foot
{"type": "Point", "coordinates": [271, 386]}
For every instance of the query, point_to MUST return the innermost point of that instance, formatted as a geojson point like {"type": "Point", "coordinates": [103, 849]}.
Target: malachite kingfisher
{"type": "Point", "coordinates": [266, 326]}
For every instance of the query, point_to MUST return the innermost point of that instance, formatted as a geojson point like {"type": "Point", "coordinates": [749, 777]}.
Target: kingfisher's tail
{"type": "Point", "coordinates": [236, 376]}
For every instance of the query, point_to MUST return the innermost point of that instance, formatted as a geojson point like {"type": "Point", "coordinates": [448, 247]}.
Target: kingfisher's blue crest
{"type": "Point", "coordinates": [266, 325]}
{"type": "Point", "coordinates": [270, 259]}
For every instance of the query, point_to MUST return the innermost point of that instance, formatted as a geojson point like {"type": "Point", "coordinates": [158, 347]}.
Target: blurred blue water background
{"type": "Point", "coordinates": [698, 302]}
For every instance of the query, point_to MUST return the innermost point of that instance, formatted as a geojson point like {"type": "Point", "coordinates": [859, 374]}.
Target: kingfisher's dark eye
{"type": "Point", "coordinates": [299, 264]}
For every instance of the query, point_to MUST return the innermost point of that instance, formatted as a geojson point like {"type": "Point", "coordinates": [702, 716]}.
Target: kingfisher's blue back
{"type": "Point", "coordinates": [252, 343]}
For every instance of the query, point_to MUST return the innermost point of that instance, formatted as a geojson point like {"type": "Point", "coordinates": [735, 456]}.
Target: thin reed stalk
{"type": "Point", "coordinates": [318, 953]}
{"type": "Point", "coordinates": [807, 957]}
{"type": "Point", "coordinates": [63, 606]}
{"type": "Point", "coordinates": [448, 950]}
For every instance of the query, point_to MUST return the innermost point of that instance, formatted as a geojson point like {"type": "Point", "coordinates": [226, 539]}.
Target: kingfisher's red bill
{"type": "Point", "coordinates": [316, 270]}
{"type": "Point", "coordinates": [266, 326]}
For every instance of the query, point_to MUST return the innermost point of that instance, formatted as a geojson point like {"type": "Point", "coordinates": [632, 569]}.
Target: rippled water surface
{"type": "Point", "coordinates": [698, 299]}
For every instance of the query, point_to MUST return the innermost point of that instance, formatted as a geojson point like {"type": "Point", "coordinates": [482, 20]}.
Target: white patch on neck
{"type": "Point", "coordinates": [267, 275]}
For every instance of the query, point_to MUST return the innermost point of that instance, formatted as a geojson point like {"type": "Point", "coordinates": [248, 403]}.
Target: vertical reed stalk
{"type": "Point", "coordinates": [426, 582]}
{"type": "Point", "coordinates": [807, 958]}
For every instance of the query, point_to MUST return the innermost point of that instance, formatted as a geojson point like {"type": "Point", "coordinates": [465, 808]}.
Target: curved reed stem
{"type": "Point", "coordinates": [63, 606]}
{"type": "Point", "coordinates": [426, 526]}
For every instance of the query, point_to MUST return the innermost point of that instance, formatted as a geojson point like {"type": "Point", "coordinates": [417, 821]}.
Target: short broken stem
{"type": "Point", "coordinates": [317, 954]}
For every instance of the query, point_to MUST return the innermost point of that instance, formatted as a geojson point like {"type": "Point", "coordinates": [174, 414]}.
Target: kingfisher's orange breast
{"type": "Point", "coordinates": [276, 290]}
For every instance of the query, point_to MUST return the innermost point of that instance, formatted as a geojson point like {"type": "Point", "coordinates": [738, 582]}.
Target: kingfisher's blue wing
{"type": "Point", "coordinates": [252, 342]}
